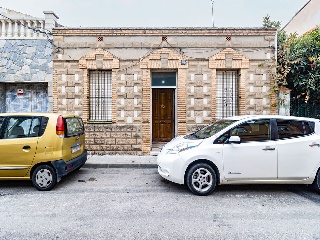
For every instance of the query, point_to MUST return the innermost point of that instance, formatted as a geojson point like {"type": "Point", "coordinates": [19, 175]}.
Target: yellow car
{"type": "Point", "coordinates": [42, 147]}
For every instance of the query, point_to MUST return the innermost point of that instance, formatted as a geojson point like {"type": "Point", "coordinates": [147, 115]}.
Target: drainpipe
{"type": "Point", "coordinates": [276, 46]}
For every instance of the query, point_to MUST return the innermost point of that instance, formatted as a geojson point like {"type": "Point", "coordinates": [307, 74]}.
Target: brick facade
{"type": "Point", "coordinates": [195, 54]}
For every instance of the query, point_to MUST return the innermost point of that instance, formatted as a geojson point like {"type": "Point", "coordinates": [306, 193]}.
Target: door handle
{"type": "Point", "coordinates": [267, 148]}
{"type": "Point", "coordinates": [314, 144]}
{"type": "Point", "coordinates": [26, 147]}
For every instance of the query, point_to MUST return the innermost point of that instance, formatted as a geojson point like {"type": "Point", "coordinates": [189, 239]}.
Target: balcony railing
{"type": "Point", "coordinates": [22, 29]}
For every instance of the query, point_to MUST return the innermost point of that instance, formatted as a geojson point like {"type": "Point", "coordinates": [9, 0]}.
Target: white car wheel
{"type": "Point", "coordinates": [316, 182]}
{"type": "Point", "coordinates": [201, 179]}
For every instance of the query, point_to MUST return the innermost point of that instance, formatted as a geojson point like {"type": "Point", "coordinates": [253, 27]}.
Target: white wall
{"type": "Point", "coordinates": [307, 18]}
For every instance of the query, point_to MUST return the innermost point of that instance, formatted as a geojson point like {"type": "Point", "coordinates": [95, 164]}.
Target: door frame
{"type": "Point", "coordinates": [175, 104]}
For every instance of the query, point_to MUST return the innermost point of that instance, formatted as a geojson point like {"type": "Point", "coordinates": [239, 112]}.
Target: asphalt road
{"type": "Point", "coordinates": [121, 203]}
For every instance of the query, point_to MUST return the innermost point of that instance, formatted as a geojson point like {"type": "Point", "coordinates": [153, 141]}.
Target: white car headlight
{"type": "Point", "coordinates": [183, 147]}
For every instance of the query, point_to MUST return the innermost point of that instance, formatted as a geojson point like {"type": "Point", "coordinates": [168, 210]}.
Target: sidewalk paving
{"type": "Point", "coordinates": [121, 161]}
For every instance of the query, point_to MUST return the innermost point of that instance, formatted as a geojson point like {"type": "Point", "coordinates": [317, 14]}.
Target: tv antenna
{"type": "Point", "coordinates": [212, 2]}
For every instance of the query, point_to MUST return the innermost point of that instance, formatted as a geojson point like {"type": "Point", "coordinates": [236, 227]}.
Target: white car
{"type": "Point", "coordinates": [262, 149]}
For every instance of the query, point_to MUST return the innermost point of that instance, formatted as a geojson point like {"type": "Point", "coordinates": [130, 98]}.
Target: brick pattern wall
{"type": "Point", "coordinates": [113, 139]}
{"type": "Point", "coordinates": [132, 62]}
{"type": "Point", "coordinates": [199, 95]}
{"type": "Point", "coordinates": [146, 106]}
{"type": "Point", "coordinates": [68, 88]}
{"type": "Point", "coordinates": [181, 105]}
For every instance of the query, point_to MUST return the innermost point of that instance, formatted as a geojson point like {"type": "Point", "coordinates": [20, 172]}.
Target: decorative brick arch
{"type": "Point", "coordinates": [229, 59]}
{"type": "Point", "coordinates": [166, 59]}
{"type": "Point", "coordinates": [98, 60]}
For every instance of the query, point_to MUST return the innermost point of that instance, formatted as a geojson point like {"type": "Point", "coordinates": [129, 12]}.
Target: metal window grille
{"type": "Point", "coordinates": [100, 96]}
{"type": "Point", "coordinates": [227, 94]}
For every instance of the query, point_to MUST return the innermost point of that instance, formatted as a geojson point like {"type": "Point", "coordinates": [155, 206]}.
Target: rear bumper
{"type": "Point", "coordinates": [63, 168]}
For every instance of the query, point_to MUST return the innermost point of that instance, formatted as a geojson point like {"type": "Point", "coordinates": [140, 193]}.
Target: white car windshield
{"type": "Point", "coordinates": [211, 129]}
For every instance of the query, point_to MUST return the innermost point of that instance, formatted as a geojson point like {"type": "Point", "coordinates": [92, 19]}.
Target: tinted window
{"type": "Point", "coordinates": [1, 121]}
{"type": "Point", "coordinates": [254, 130]}
{"type": "Point", "coordinates": [74, 127]}
{"type": "Point", "coordinates": [22, 127]}
{"type": "Point", "coordinates": [292, 128]}
{"type": "Point", "coordinates": [212, 129]}
{"type": "Point", "coordinates": [223, 138]}
{"type": "Point", "coordinates": [35, 127]}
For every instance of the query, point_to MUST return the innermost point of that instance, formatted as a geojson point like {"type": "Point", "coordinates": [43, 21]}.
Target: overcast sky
{"type": "Point", "coordinates": [159, 13]}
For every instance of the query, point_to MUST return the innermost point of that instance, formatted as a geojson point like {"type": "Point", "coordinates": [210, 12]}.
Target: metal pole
{"type": "Point", "coordinates": [212, 2]}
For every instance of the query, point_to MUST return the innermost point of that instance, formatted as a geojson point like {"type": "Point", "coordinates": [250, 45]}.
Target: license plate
{"type": "Point", "coordinates": [76, 148]}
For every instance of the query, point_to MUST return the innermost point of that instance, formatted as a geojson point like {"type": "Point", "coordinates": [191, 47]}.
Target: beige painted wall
{"type": "Point", "coordinates": [307, 18]}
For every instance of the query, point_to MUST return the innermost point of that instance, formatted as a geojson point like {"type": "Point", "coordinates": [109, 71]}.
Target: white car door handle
{"type": "Point", "coordinates": [314, 144]}
{"type": "Point", "coordinates": [267, 148]}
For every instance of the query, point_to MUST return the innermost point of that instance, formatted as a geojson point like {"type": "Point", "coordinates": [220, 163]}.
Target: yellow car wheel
{"type": "Point", "coordinates": [44, 177]}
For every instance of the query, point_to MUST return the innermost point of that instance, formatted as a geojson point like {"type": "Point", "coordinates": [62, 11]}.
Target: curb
{"type": "Point", "coordinates": [119, 165]}
{"type": "Point", "coordinates": [121, 161]}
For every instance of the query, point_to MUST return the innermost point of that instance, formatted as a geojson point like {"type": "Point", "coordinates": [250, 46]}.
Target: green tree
{"type": "Point", "coordinates": [284, 59]}
{"type": "Point", "coordinates": [298, 62]}
{"type": "Point", "coordinates": [267, 23]}
{"type": "Point", "coordinates": [303, 55]}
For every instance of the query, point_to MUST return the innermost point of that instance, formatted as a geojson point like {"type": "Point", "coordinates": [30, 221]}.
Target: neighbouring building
{"type": "Point", "coordinates": [306, 19]}
{"type": "Point", "coordinates": [135, 87]}
{"type": "Point", "coordinates": [26, 66]}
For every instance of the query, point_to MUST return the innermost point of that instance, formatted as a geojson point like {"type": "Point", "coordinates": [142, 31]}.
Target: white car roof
{"type": "Point", "coordinates": [244, 117]}
{"type": "Point", "coordinates": [237, 118]}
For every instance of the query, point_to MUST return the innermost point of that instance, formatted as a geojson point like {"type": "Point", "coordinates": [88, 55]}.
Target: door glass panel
{"type": "Point", "coordinates": [19, 127]}
{"type": "Point", "coordinates": [254, 130]}
{"type": "Point", "coordinates": [35, 127]}
{"type": "Point", "coordinates": [1, 121]}
{"type": "Point", "coordinates": [164, 79]}
{"type": "Point", "coordinates": [2, 98]}
{"type": "Point", "coordinates": [292, 128]}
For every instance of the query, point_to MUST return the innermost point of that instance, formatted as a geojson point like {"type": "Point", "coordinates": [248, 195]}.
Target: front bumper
{"type": "Point", "coordinates": [171, 167]}
{"type": "Point", "coordinates": [63, 168]}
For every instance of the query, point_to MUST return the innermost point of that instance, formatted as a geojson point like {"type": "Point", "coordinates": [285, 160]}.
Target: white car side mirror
{"type": "Point", "coordinates": [235, 139]}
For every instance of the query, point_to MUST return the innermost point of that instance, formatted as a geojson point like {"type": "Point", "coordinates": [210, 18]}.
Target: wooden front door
{"type": "Point", "coordinates": [162, 114]}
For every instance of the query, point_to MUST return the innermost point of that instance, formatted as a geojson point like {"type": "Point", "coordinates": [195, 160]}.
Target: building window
{"type": "Point", "coordinates": [227, 94]}
{"type": "Point", "coordinates": [164, 79]}
{"type": "Point", "coordinates": [100, 95]}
